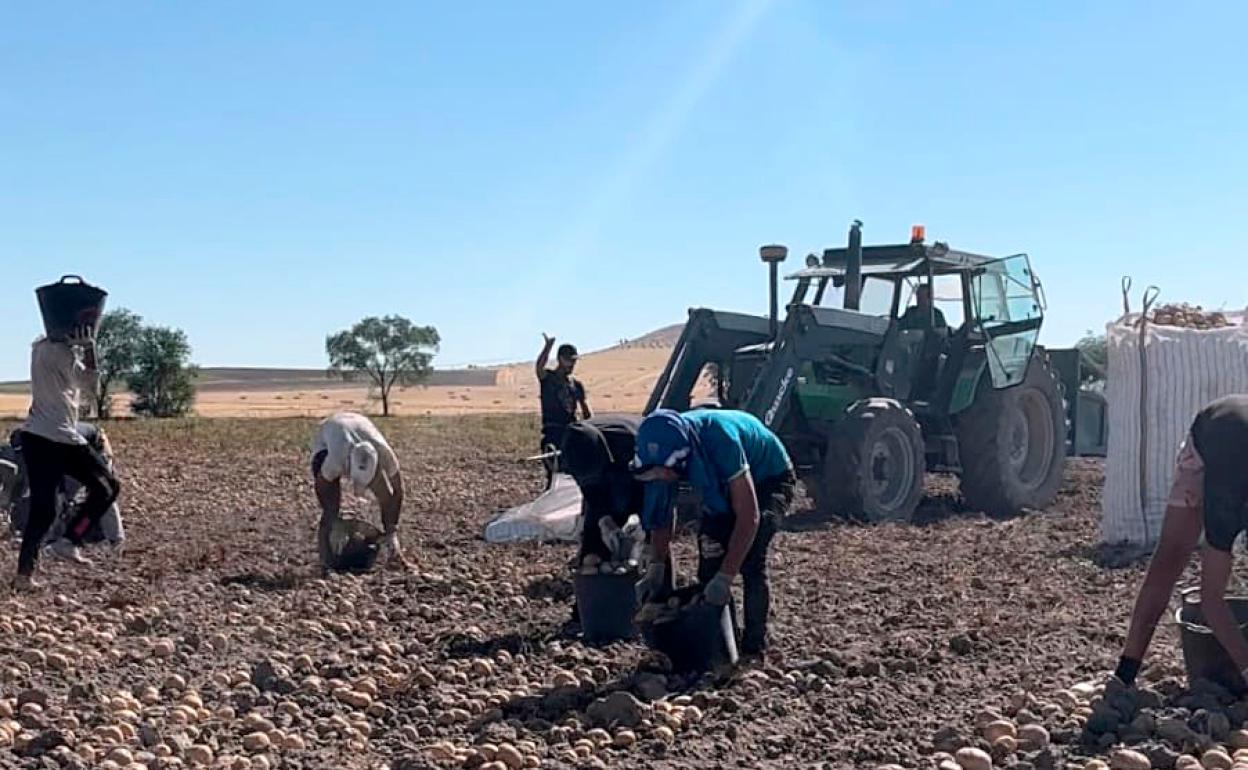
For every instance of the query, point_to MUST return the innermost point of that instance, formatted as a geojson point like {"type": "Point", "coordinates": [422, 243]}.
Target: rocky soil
{"type": "Point", "coordinates": [213, 641]}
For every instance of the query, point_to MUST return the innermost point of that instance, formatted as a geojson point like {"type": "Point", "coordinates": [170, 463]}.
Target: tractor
{"type": "Point", "coordinates": [871, 395]}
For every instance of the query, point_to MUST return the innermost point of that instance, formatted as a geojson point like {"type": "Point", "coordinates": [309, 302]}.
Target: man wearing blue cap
{"type": "Point", "coordinates": [746, 481]}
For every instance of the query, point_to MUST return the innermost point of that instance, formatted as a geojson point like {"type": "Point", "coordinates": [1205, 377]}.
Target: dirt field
{"type": "Point", "coordinates": [888, 642]}
{"type": "Point", "coordinates": [619, 379]}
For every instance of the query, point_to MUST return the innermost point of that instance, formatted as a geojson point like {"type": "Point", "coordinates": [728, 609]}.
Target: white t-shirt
{"type": "Point", "coordinates": [57, 377]}
{"type": "Point", "coordinates": [338, 433]}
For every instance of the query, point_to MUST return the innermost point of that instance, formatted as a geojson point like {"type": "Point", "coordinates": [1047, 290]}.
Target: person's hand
{"type": "Point", "coordinates": [718, 592]}
{"type": "Point", "coordinates": [392, 554]}
{"type": "Point", "coordinates": [652, 584]}
{"type": "Point", "coordinates": [549, 340]}
{"type": "Point", "coordinates": [82, 335]}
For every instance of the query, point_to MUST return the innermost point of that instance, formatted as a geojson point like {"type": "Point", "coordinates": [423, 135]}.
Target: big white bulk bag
{"type": "Point", "coordinates": [1185, 369]}
{"type": "Point", "coordinates": [555, 515]}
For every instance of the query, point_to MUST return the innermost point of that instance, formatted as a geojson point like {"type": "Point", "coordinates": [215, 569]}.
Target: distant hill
{"type": "Point", "coordinates": [665, 337]}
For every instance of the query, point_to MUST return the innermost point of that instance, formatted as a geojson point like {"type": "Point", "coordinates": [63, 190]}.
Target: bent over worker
{"type": "Point", "coordinates": [349, 445]}
{"type": "Point", "coordinates": [1208, 494]}
{"type": "Point", "coordinates": [746, 481]}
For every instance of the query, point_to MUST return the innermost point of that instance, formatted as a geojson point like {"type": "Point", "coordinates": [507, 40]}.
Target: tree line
{"type": "Point", "coordinates": [153, 362]}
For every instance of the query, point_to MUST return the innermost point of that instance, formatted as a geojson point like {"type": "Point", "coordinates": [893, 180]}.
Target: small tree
{"type": "Point", "coordinates": [387, 350]}
{"type": "Point", "coordinates": [116, 345]}
{"type": "Point", "coordinates": [163, 382]}
{"type": "Point", "coordinates": [1095, 356]}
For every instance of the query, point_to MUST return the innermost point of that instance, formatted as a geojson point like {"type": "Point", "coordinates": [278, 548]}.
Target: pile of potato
{"type": "Point", "coordinates": [1187, 316]}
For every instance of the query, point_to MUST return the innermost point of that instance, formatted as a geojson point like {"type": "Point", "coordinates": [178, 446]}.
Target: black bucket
{"type": "Point", "coordinates": [1203, 656]}
{"type": "Point", "coordinates": [606, 604]}
{"type": "Point", "coordinates": [360, 546]}
{"type": "Point", "coordinates": [68, 304]}
{"type": "Point", "coordinates": [699, 638]}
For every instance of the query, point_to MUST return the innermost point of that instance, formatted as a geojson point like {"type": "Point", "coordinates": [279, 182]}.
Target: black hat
{"type": "Point", "coordinates": [567, 351]}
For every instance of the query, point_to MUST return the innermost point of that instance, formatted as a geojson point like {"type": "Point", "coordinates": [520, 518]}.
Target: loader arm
{"type": "Point", "coordinates": [709, 336]}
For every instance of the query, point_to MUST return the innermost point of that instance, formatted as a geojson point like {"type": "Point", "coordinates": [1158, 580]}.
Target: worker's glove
{"type": "Point", "coordinates": [81, 335]}
{"type": "Point", "coordinates": [652, 585]}
{"type": "Point", "coordinates": [718, 592]}
{"type": "Point", "coordinates": [612, 538]}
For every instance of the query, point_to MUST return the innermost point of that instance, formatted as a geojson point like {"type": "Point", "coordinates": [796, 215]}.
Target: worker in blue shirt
{"type": "Point", "coordinates": [746, 482]}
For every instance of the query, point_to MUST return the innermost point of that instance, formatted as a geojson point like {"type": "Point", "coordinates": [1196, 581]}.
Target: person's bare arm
{"type": "Point", "coordinates": [1215, 572]}
{"type": "Point", "coordinates": [745, 507]}
{"type": "Point", "coordinates": [543, 358]}
{"type": "Point", "coordinates": [1180, 529]}
{"type": "Point", "coordinates": [585, 405]}
{"type": "Point", "coordinates": [390, 497]}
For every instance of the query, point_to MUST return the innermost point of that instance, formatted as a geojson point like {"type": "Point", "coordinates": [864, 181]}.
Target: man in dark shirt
{"type": "Point", "coordinates": [918, 314]}
{"type": "Point", "coordinates": [1208, 494]}
{"type": "Point", "coordinates": [561, 395]}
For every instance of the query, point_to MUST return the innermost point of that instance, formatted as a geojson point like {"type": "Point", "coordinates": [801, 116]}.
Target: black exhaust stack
{"type": "Point", "coordinates": [773, 256]}
{"type": "Point", "coordinates": [853, 267]}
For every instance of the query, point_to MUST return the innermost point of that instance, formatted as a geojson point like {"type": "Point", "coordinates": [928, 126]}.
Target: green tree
{"type": "Point", "coordinates": [116, 346]}
{"type": "Point", "coordinates": [1095, 356]}
{"type": "Point", "coordinates": [163, 382]}
{"type": "Point", "coordinates": [390, 350]}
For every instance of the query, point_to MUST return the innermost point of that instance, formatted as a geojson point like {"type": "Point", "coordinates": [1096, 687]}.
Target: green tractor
{"type": "Point", "coordinates": [929, 364]}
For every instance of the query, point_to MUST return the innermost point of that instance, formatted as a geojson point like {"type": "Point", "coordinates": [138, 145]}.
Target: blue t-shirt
{"type": "Point", "coordinates": [730, 443]}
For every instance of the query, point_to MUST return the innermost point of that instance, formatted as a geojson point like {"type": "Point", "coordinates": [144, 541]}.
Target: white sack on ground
{"type": "Point", "coordinates": [1186, 369]}
{"type": "Point", "coordinates": [554, 515]}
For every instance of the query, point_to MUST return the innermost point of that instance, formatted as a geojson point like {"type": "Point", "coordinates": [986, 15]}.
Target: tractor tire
{"type": "Point", "coordinates": [1012, 444]}
{"type": "Point", "coordinates": [874, 465]}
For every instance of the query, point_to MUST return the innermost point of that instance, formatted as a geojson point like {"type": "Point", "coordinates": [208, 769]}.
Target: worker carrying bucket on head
{"type": "Point", "coordinates": [746, 481]}
{"type": "Point", "coordinates": [348, 445]}
{"type": "Point", "coordinates": [1209, 495]}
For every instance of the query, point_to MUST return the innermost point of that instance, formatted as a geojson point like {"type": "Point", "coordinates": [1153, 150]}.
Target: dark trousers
{"type": "Point", "coordinates": [47, 463]}
{"type": "Point", "coordinates": [775, 498]}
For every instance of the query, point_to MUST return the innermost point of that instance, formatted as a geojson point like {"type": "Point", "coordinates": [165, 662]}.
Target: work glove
{"type": "Point", "coordinates": [611, 537]}
{"type": "Point", "coordinates": [718, 592]}
{"type": "Point", "coordinates": [652, 584]}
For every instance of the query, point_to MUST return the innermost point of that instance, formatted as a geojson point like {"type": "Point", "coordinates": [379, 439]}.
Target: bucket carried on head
{"type": "Point", "coordinates": [1203, 656]}
{"type": "Point", "coordinates": [606, 604]}
{"type": "Point", "coordinates": [69, 304]}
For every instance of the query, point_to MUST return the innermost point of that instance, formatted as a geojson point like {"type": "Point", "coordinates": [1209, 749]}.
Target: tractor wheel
{"type": "Point", "coordinates": [874, 466]}
{"type": "Point", "coordinates": [1012, 444]}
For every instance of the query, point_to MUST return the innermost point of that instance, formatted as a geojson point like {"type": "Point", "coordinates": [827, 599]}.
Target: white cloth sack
{"type": "Point", "coordinates": [1186, 369]}
{"type": "Point", "coordinates": [554, 515]}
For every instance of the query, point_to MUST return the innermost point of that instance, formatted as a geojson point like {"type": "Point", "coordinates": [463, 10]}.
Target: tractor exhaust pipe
{"type": "Point", "coordinates": [853, 267]}
{"type": "Point", "coordinates": [773, 256]}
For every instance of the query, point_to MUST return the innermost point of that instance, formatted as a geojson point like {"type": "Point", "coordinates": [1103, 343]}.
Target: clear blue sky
{"type": "Point", "coordinates": [262, 174]}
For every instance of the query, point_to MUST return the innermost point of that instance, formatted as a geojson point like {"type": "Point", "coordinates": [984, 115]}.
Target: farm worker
{"type": "Point", "coordinates": [561, 395]}
{"type": "Point", "coordinates": [918, 315]}
{"type": "Point", "coordinates": [746, 481]}
{"type": "Point", "coordinates": [1209, 493]}
{"type": "Point", "coordinates": [52, 448]}
{"type": "Point", "coordinates": [349, 445]}
{"type": "Point", "coordinates": [596, 453]}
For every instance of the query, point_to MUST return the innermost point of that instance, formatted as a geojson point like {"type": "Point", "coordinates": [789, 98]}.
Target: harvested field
{"type": "Point", "coordinates": [214, 639]}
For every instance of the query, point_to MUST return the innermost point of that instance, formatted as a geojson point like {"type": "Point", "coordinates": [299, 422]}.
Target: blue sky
{"type": "Point", "coordinates": [263, 174]}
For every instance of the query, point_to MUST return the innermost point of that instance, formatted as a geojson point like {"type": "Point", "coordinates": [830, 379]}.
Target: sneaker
{"type": "Point", "coordinates": [65, 549]}
{"type": "Point", "coordinates": [25, 584]}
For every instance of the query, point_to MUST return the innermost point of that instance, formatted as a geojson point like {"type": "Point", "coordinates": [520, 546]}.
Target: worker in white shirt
{"type": "Point", "coordinates": [348, 445]}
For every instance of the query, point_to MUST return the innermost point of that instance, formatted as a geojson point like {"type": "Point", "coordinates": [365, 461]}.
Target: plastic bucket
{"type": "Point", "coordinates": [1203, 656]}
{"type": "Point", "coordinates": [606, 604]}
{"type": "Point", "coordinates": [68, 304]}
{"type": "Point", "coordinates": [354, 546]}
{"type": "Point", "coordinates": [699, 638]}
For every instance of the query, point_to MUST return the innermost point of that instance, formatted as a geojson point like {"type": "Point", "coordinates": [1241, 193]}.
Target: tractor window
{"type": "Point", "coordinates": [946, 295]}
{"type": "Point", "coordinates": [1008, 310]}
{"type": "Point", "coordinates": [877, 296]}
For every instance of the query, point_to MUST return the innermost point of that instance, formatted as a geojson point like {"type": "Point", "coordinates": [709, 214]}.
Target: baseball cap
{"type": "Point", "coordinates": [567, 351]}
{"type": "Point", "coordinates": [363, 466]}
{"type": "Point", "coordinates": [663, 441]}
